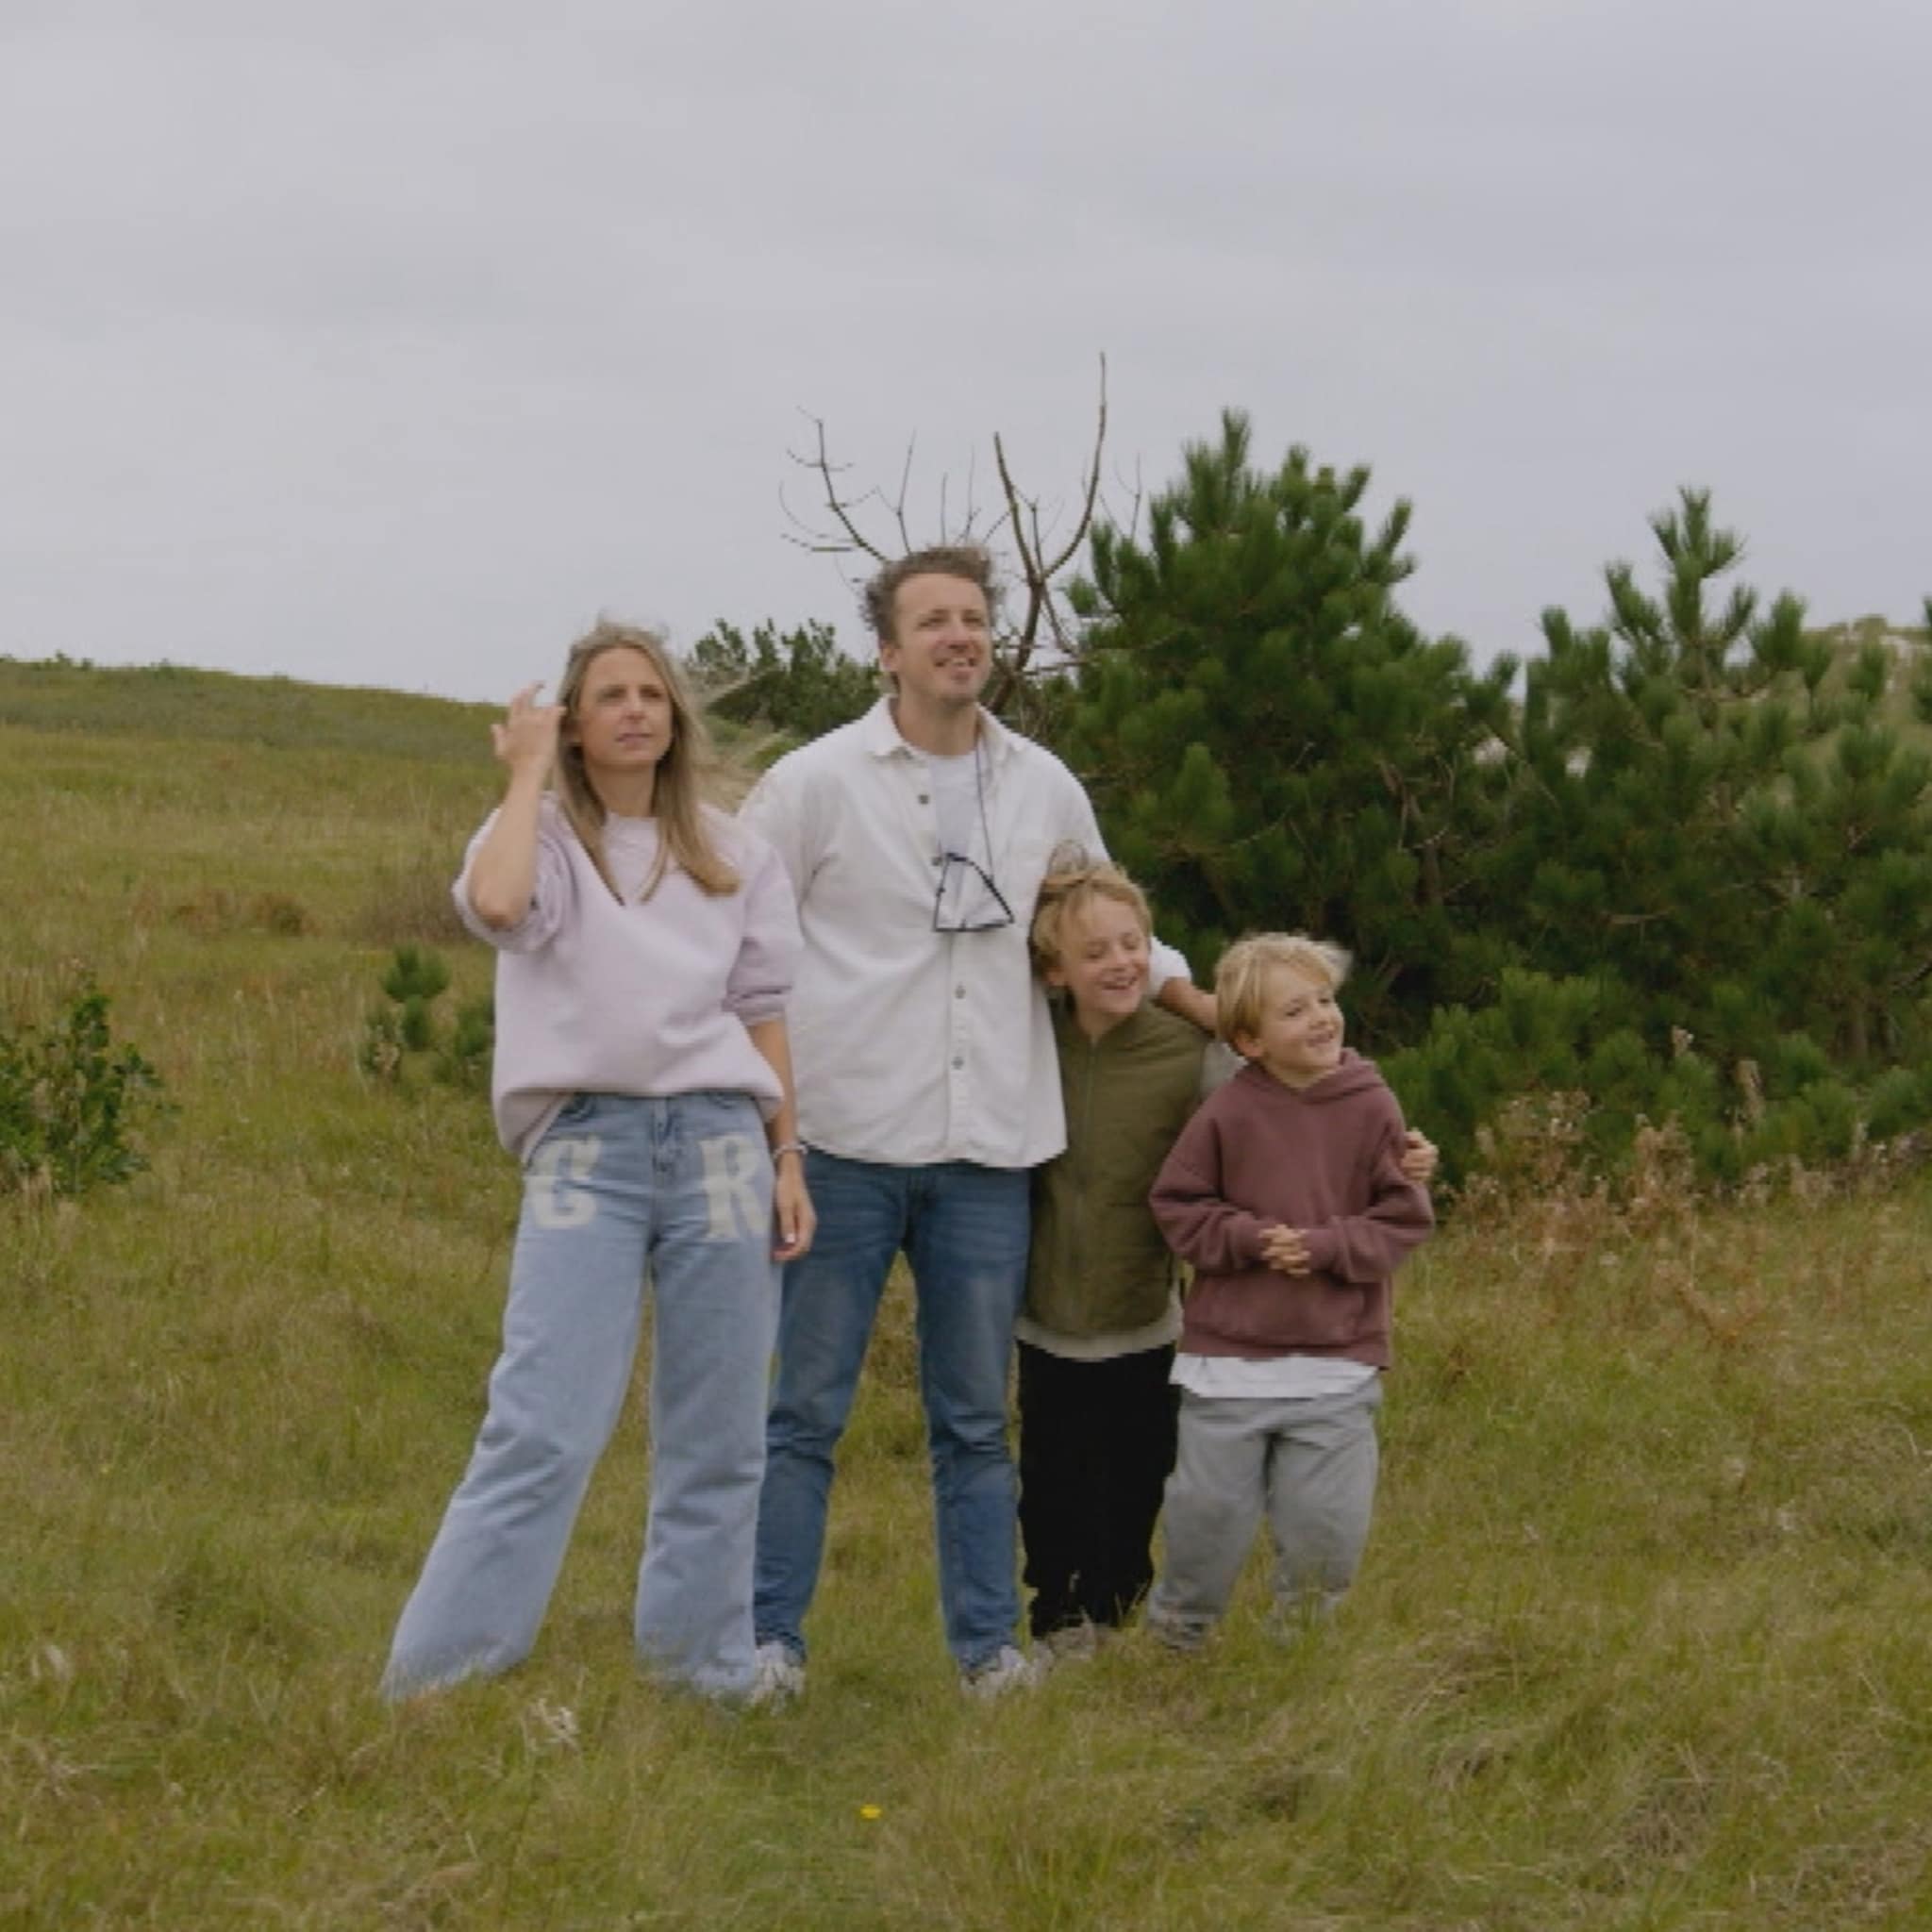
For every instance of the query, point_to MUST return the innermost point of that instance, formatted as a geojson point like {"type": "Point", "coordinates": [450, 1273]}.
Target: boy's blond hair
{"type": "Point", "coordinates": [1072, 881]}
{"type": "Point", "coordinates": [1241, 982]}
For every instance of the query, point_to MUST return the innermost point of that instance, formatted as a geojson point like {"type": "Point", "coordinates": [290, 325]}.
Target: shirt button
{"type": "Point", "coordinates": [958, 1061]}
{"type": "Point", "coordinates": [924, 798]}
{"type": "Point", "coordinates": [958, 992]}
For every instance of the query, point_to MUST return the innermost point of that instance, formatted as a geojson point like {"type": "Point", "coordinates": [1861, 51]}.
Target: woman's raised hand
{"type": "Point", "coordinates": [527, 738]}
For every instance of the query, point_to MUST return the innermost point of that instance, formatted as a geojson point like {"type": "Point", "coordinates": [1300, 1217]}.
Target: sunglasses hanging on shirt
{"type": "Point", "coordinates": [967, 899]}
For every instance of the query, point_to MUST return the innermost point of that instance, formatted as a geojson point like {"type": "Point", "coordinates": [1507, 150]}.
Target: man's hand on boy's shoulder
{"type": "Point", "coordinates": [1419, 1158]}
{"type": "Point", "coordinates": [1286, 1249]}
{"type": "Point", "coordinates": [1182, 996]}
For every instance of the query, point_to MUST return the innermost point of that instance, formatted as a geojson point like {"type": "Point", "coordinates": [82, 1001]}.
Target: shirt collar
{"type": "Point", "coordinates": [881, 739]}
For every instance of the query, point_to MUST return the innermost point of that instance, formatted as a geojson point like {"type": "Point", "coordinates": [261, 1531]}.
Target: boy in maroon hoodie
{"type": "Point", "coordinates": [1286, 1194]}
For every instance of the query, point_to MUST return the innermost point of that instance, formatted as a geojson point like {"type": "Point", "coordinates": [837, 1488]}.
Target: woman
{"type": "Point", "coordinates": [645, 947]}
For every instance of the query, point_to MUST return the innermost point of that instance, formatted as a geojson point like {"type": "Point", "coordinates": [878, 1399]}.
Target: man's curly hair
{"type": "Point", "coordinates": [970, 562]}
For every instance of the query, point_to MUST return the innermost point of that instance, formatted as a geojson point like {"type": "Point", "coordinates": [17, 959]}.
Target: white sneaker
{"type": "Point", "coordinates": [780, 1675]}
{"type": "Point", "coordinates": [1008, 1669]}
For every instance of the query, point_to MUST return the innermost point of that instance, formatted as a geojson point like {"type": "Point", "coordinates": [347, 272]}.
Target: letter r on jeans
{"type": "Point", "coordinates": [731, 1166]}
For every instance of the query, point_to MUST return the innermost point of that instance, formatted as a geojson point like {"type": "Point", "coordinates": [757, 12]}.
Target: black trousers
{"type": "Point", "coordinates": [1096, 1445]}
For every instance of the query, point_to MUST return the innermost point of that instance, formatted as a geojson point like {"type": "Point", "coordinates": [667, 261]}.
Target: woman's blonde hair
{"type": "Point", "coordinates": [1072, 880]}
{"type": "Point", "coordinates": [677, 800]}
{"type": "Point", "coordinates": [1241, 982]}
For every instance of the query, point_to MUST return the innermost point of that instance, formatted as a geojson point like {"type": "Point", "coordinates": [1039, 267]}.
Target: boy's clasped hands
{"type": "Point", "coordinates": [1286, 1249]}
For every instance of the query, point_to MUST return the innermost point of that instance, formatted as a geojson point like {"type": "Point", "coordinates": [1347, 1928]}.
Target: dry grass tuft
{"type": "Point", "coordinates": [214, 911]}
{"type": "Point", "coordinates": [408, 903]}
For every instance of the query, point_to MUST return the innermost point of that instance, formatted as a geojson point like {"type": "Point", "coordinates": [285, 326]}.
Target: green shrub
{"type": "Point", "coordinates": [415, 972]}
{"type": "Point", "coordinates": [1896, 1103]}
{"type": "Point", "coordinates": [1481, 1082]}
{"type": "Point", "coordinates": [464, 1059]}
{"type": "Point", "coordinates": [416, 979]}
{"type": "Point", "coordinates": [69, 1101]}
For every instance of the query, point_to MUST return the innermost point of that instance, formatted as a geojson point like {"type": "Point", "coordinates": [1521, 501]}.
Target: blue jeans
{"type": "Point", "coordinates": [963, 1228]}
{"type": "Point", "coordinates": [682, 1187]}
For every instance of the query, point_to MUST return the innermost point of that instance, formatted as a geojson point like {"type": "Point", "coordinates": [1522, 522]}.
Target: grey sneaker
{"type": "Point", "coordinates": [1183, 1634]}
{"type": "Point", "coordinates": [780, 1675]}
{"type": "Point", "coordinates": [1007, 1670]}
{"type": "Point", "coordinates": [1071, 1643]}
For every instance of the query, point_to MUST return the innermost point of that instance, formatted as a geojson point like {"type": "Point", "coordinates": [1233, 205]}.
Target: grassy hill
{"type": "Point", "coordinates": [165, 701]}
{"type": "Point", "coordinates": [1644, 1639]}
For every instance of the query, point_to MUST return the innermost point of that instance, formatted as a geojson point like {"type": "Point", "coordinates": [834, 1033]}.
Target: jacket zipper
{"type": "Point", "coordinates": [1086, 1247]}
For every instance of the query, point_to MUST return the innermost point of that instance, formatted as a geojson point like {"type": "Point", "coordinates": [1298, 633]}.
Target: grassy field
{"type": "Point", "coordinates": [1644, 1639]}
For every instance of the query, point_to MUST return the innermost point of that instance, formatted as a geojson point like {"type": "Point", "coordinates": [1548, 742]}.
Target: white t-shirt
{"type": "Point", "coordinates": [955, 793]}
{"type": "Point", "coordinates": [1291, 1376]}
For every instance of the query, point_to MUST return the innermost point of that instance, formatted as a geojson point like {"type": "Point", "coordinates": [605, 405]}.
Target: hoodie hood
{"type": "Point", "coordinates": [1354, 1075]}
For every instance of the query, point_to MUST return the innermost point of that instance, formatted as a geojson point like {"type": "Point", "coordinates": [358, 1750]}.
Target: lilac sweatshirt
{"type": "Point", "coordinates": [648, 997]}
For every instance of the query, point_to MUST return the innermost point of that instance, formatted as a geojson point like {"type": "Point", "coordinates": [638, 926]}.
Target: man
{"type": "Point", "coordinates": [916, 839]}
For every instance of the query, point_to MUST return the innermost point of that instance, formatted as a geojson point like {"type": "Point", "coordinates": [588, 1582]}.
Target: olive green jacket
{"type": "Point", "coordinates": [1098, 1264]}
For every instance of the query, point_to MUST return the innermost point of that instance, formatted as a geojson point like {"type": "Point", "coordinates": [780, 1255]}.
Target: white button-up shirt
{"type": "Point", "coordinates": [911, 1046]}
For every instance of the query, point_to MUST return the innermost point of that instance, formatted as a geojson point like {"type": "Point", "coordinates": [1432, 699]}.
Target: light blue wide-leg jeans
{"type": "Point", "coordinates": [964, 1230]}
{"type": "Point", "coordinates": [680, 1187]}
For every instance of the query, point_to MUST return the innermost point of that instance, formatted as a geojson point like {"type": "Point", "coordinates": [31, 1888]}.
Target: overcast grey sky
{"type": "Point", "coordinates": [387, 342]}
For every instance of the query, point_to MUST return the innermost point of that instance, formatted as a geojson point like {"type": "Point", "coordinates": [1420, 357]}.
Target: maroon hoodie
{"type": "Point", "coordinates": [1324, 1158]}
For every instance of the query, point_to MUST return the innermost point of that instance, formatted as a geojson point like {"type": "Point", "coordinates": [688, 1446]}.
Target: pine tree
{"type": "Point", "coordinates": [1639, 742]}
{"type": "Point", "coordinates": [797, 681]}
{"type": "Point", "coordinates": [1731, 839]}
{"type": "Point", "coordinates": [1271, 742]}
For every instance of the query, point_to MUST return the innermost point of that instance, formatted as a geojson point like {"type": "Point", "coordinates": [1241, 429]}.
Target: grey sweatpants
{"type": "Point", "coordinates": [1309, 1464]}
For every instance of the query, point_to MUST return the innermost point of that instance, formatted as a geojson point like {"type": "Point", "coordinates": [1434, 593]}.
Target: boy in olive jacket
{"type": "Point", "coordinates": [1096, 1333]}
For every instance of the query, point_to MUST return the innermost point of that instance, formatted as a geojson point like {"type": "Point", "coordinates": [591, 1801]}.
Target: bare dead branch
{"type": "Point", "coordinates": [906, 542]}
{"type": "Point", "coordinates": [1020, 645]}
{"type": "Point", "coordinates": [1027, 564]}
{"type": "Point", "coordinates": [964, 531]}
{"type": "Point", "coordinates": [1061, 643]}
{"type": "Point", "coordinates": [1021, 521]}
{"type": "Point", "coordinates": [1131, 528]}
{"type": "Point", "coordinates": [804, 536]}
{"type": "Point", "coordinates": [1092, 491]}
{"type": "Point", "coordinates": [1038, 566]}
{"type": "Point", "coordinates": [840, 509]}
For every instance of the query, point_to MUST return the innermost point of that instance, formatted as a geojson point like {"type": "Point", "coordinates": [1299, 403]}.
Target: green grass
{"type": "Point", "coordinates": [1644, 1639]}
